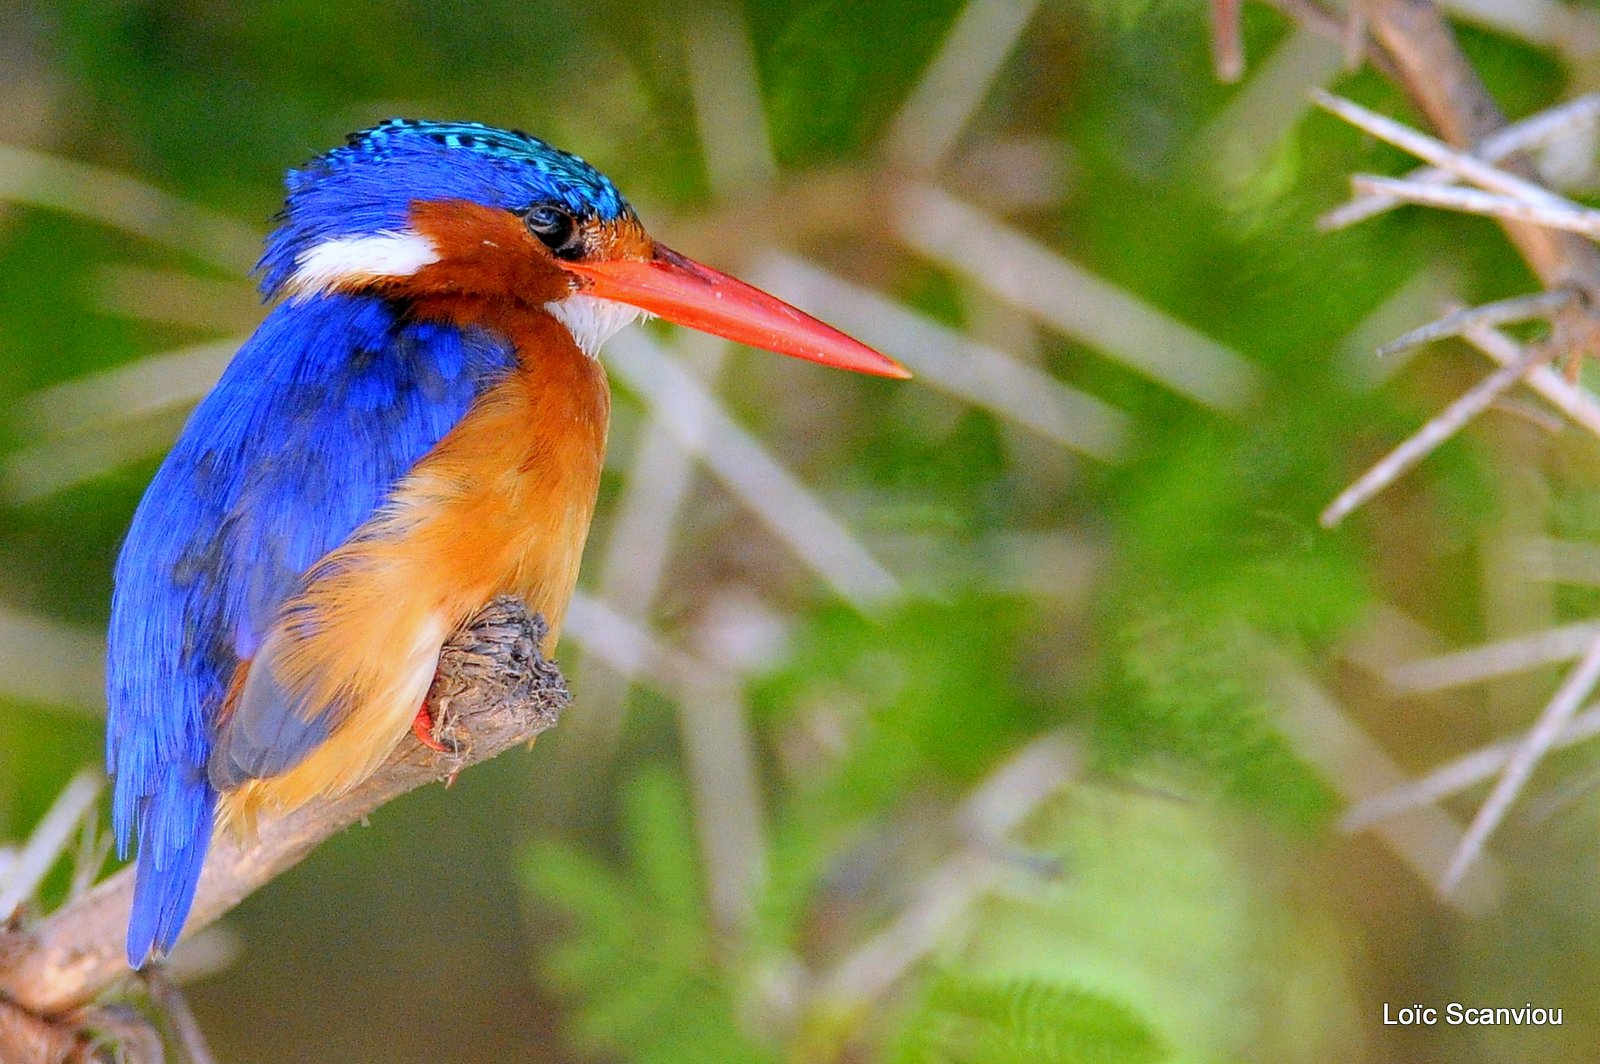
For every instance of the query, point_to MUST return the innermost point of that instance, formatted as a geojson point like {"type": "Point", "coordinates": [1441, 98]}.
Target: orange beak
{"type": "Point", "coordinates": [681, 290]}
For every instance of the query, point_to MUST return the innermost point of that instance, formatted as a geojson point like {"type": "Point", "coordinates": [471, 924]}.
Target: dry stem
{"type": "Point", "coordinates": [495, 692]}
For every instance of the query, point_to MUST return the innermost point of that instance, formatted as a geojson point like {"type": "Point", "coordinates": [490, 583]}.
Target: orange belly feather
{"type": "Point", "coordinates": [501, 506]}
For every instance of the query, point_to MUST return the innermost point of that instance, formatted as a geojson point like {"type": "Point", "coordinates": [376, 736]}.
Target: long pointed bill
{"type": "Point", "coordinates": [683, 291]}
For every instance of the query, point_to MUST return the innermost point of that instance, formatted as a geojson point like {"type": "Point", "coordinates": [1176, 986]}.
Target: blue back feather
{"type": "Point", "coordinates": [326, 406]}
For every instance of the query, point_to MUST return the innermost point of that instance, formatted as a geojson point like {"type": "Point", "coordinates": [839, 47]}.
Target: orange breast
{"type": "Point", "coordinates": [501, 505]}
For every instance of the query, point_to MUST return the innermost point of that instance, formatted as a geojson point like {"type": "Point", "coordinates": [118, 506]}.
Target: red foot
{"type": "Point", "coordinates": [422, 728]}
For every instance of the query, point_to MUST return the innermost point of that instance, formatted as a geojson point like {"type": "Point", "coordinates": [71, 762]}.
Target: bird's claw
{"type": "Point", "coordinates": [422, 726]}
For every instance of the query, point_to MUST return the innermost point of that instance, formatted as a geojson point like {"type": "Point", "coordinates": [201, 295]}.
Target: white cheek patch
{"type": "Point", "coordinates": [348, 261]}
{"type": "Point", "coordinates": [591, 320]}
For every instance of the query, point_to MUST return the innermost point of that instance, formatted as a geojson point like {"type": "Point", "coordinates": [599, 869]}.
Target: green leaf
{"type": "Point", "coordinates": [1025, 1021]}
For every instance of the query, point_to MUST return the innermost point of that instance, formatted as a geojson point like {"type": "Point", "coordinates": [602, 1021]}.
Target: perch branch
{"type": "Point", "coordinates": [494, 691]}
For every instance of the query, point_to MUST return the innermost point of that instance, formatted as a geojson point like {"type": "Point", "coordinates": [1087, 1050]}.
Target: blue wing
{"type": "Point", "coordinates": [325, 407]}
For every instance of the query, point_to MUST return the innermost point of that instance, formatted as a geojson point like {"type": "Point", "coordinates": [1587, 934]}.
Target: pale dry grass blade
{"type": "Point", "coordinates": [657, 479]}
{"type": "Point", "coordinates": [633, 558]}
{"type": "Point", "coordinates": [996, 808]}
{"type": "Point", "coordinates": [1429, 438]}
{"type": "Point", "coordinates": [92, 425]}
{"type": "Point", "coordinates": [624, 644]}
{"type": "Point", "coordinates": [41, 470]}
{"type": "Point", "coordinates": [719, 753]}
{"type": "Point", "coordinates": [946, 359]}
{"type": "Point", "coordinates": [170, 297]}
{"type": "Point", "coordinates": [1578, 114]}
{"type": "Point", "coordinates": [941, 105]}
{"type": "Point", "coordinates": [1456, 776]}
{"type": "Point", "coordinates": [1573, 219]}
{"type": "Point", "coordinates": [50, 663]}
{"type": "Point", "coordinates": [1519, 768]}
{"type": "Point", "coordinates": [1558, 561]}
{"type": "Point", "coordinates": [739, 460]}
{"type": "Point", "coordinates": [1425, 837]}
{"type": "Point", "coordinates": [50, 840]}
{"type": "Point", "coordinates": [727, 98]}
{"type": "Point", "coordinates": [38, 179]}
{"type": "Point", "coordinates": [718, 742]}
{"type": "Point", "coordinates": [130, 392]}
{"type": "Point", "coordinates": [1491, 661]}
{"type": "Point", "coordinates": [1573, 31]}
{"type": "Point", "coordinates": [1247, 134]}
{"type": "Point", "coordinates": [1024, 272]}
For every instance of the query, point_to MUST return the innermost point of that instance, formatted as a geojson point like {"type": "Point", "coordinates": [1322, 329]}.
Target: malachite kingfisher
{"type": "Point", "coordinates": [417, 426]}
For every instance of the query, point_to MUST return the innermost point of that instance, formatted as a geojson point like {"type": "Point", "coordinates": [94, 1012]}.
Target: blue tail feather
{"type": "Point", "coordinates": [174, 835]}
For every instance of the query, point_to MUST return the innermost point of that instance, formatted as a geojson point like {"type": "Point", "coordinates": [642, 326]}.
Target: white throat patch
{"type": "Point", "coordinates": [348, 261]}
{"type": "Point", "coordinates": [591, 320]}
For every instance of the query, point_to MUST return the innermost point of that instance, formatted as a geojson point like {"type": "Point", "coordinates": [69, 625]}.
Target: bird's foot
{"type": "Point", "coordinates": [422, 727]}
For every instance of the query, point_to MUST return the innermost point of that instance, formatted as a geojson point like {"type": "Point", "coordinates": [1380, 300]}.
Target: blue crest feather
{"type": "Point", "coordinates": [369, 185]}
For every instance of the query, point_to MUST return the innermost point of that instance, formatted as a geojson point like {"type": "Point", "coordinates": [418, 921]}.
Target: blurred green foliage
{"type": "Point", "coordinates": [1185, 898]}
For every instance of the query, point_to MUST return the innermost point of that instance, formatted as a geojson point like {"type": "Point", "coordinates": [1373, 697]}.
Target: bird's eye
{"type": "Point", "coordinates": [557, 229]}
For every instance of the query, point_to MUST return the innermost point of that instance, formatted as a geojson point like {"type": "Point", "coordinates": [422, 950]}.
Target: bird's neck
{"type": "Point", "coordinates": [535, 442]}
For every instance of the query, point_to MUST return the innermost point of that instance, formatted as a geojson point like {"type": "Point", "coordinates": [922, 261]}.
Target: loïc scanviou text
{"type": "Point", "coordinates": [1456, 1014]}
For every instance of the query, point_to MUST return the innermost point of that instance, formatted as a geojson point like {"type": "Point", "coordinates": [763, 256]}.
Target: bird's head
{"type": "Point", "coordinates": [415, 209]}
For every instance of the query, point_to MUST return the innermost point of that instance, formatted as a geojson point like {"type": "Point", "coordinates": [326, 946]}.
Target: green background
{"type": "Point", "coordinates": [1184, 892]}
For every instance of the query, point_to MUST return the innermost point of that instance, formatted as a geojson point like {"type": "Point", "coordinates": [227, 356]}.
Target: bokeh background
{"type": "Point", "coordinates": [1006, 715]}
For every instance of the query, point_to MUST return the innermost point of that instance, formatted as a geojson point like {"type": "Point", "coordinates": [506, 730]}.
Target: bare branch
{"type": "Point", "coordinates": [1552, 722]}
{"type": "Point", "coordinates": [1529, 133]}
{"type": "Point", "coordinates": [1434, 71]}
{"type": "Point", "coordinates": [1429, 149]}
{"type": "Point", "coordinates": [48, 842]}
{"type": "Point", "coordinates": [1575, 401]}
{"type": "Point", "coordinates": [1456, 776]}
{"type": "Point", "coordinates": [1501, 312]}
{"type": "Point", "coordinates": [1570, 219]}
{"type": "Point", "coordinates": [1427, 439]}
{"type": "Point", "coordinates": [494, 691]}
{"type": "Point", "coordinates": [1356, 765]}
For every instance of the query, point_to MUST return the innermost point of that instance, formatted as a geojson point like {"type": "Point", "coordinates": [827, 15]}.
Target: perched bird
{"type": "Point", "coordinates": [417, 427]}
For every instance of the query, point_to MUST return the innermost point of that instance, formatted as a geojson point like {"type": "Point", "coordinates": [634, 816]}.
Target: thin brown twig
{"type": "Point", "coordinates": [1579, 404]}
{"type": "Point", "coordinates": [1227, 40]}
{"type": "Point", "coordinates": [1455, 776]}
{"type": "Point", "coordinates": [185, 1029]}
